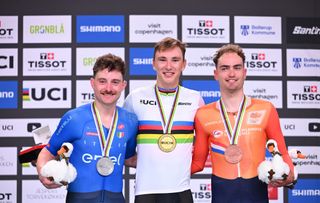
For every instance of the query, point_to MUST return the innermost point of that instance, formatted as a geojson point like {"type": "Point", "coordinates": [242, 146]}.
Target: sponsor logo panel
{"type": "Point", "coordinates": [303, 94]}
{"type": "Point", "coordinates": [8, 161]}
{"type": "Point", "coordinates": [201, 190]}
{"type": "Point", "coordinates": [34, 191]}
{"type": "Point", "coordinates": [8, 29]}
{"type": "Point", "coordinates": [300, 126]}
{"type": "Point", "coordinates": [8, 191]}
{"type": "Point", "coordinates": [303, 62]}
{"type": "Point", "coordinates": [152, 28]}
{"type": "Point", "coordinates": [306, 190]}
{"type": "Point", "coordinates": [47, 29]}
{"type": "Point", "coordinates": [257, 30]}
{"type": "Point", "coordinates": [46, 94]}
{"type": "Point", "coordinates": [19, 127]}
{"type": "Point", "coordinates": [199, 61]}
{"type": "Point", "coordinates": [141, 61]}
{"type": "Point", "coordinates": [100, 28]}
{"type": "Point", "coordinates": [303, 30]}
{"type": "Point", "coordinates": [8, 62]}
{"type": "Point", "coordinates": [263, 62]}
{"type": "Point", "coordinates": [311, 163]}
{"type": "Point", "coordinates": [85, 93]}
{"type": "Point", "coordinates": [47, 62]}
{"type": "Point", "coordinates": [86, 57]}
{"type": "Point", "coordinates": [206, 29]}
{"type": "Point", "coordinates": [266, 90]}
{"type": "Point", "coordinates": [8, 94]}
{"type": "Point", "coordinates": [209, 89]}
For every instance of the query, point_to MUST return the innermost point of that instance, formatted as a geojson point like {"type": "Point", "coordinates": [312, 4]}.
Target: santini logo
{"type": "Point", "coordinates": [298, 30]}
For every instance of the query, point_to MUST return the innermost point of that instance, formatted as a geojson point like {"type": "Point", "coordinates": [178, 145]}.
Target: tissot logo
{"type": "Point", "coordinates": [147, 102]}
{"type": "Point", "coordinates": [205, 28]}
{"type": "Point", "coordinates": [314, 127]}
{"type": "Point", "coordinates": [5, 197]}
{"type": "Point", "coordinates": [308, 95]}
{"type": "Point", "coordinates": [258, 60]}
{"type": "Point", "coordinates": [205, 23]}
{"type": "Point", "coordinates": [47, 61]}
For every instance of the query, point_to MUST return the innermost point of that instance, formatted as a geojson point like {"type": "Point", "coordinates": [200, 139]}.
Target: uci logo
{"type": "Point", "coordinates": [54, 94]}
{"type": "Point", "coordinates": [148, 102]}
{"type": "Point", "coordinates": [6, 62]}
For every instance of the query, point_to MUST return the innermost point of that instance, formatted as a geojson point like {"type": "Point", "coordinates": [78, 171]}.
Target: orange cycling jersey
{"type": "Point", "coordinates": [260, 123]}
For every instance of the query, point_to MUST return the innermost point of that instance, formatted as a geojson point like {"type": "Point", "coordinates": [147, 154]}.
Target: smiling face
{"type": "Point", "coordinates": [169, 64]}
{"type": "Point", "coordinates": [107, 86]}
{"type": "Point", "coordinates": [230, 72]}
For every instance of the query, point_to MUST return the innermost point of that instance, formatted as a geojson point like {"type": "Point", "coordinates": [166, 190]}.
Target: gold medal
{"type": "Point", "coordinates": [167, 142]}
{"type": "Point", "coordinates": [233, 154]}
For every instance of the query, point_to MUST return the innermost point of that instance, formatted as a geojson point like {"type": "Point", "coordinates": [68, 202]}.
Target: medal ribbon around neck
{"type": "Point", "coordinates": [233, 134]}
{"type": "Point", "coordinates": [105, 144]}
{"type": "Point", "coordinates": [167, 125]}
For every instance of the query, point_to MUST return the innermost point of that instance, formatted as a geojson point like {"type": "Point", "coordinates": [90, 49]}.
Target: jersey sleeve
{"type": "Point", "coordinates": [273, 130]}
{"type": "Point", "coordinates": [200, 150]}
{"type": "Point", "coordinates": [67, 131]}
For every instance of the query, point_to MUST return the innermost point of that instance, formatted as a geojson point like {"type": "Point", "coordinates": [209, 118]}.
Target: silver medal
{"type": "Point", "coordinates": [105, 166]}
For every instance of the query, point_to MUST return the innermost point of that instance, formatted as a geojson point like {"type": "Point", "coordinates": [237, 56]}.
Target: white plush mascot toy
{"type": "Point", "coordinates": [276, 169]}
{"type": "Point", "coordinates": [60, 170]}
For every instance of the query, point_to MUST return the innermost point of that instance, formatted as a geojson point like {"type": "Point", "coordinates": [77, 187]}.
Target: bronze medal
{"type": "Point", "coordinates": [167, 142]}
{"type": "Point", "coordinates": [105, 166]}
{"type": "Point", "coordinates": [233, 154]}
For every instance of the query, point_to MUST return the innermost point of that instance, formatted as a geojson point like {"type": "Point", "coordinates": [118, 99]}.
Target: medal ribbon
{"type": "Point", "coordinates": [233, 134]}
{"type": "Point", "coordinates": [105, 144]}
{"type": "Point", "coordinates": [167, 125]}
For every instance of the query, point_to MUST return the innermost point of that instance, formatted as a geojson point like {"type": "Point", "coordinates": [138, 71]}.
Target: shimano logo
{"type": "Point", "coordinates": [210, 93]}
{"type": "Point", "coordinates": [100, 28]}
{"type": "Point", "coordinates": [298, 30]}
{"type": "Point", "coordinates": [309, 192]}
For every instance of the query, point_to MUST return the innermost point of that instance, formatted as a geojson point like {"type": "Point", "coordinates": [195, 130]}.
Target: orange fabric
{"type": "Point", "coordinates": [260, 123]}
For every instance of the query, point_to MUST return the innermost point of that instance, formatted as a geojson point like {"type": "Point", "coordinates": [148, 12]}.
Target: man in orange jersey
{"type": "Point", "coordinates": [236, 129]}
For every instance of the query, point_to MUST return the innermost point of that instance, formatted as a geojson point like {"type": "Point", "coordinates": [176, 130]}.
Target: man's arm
{"type": "Point", "coordinates": [274, 132]}
{"type": "Point", "coordinates": [43, 158]}
{"type": "Point", "coordinates": [131, 162]}
{"type": "Point", "coordinates": [200, 149]}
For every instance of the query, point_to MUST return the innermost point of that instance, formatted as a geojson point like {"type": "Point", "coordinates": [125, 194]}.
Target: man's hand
{"type": "Point", "coordinates": [281, 183]}
{"type": "Point", "coordinates": [48, 183]}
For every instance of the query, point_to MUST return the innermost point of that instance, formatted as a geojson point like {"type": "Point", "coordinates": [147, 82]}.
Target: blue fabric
{"type": "Point", "coordinates": [238, 190]}
{"type": "Point", "coordinates": [77, 127]}
{"type": "Point", "coordinates": [95, 197]}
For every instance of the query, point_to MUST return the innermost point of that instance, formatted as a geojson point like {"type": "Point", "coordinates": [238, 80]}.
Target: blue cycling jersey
{"type": "Point", "coordinates": [77, 126]}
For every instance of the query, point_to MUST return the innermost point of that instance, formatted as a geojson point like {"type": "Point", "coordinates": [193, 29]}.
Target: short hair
{"type": "Point", "coordinates": [229, 48]}
{"type": "Point", "coordinates": [110, 62]}
{"type": "Point", "coordinates": [169, 43]}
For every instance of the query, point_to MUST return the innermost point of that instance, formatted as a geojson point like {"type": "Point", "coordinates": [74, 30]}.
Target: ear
{"type": "Point", "coordinates": [124, 84]}
{"type": "Point", "coordinates": [92, 82]}
{"type": "Point", "coordinates": [184, 65]}
{"type": "Point", "coordinates": [215, 74]}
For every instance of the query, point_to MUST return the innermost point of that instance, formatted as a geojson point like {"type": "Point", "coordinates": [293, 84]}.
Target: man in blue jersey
{"type": "Point", "coordinates": [101, 133]}
{"type": "Point", "coordinates": [165, 112]}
